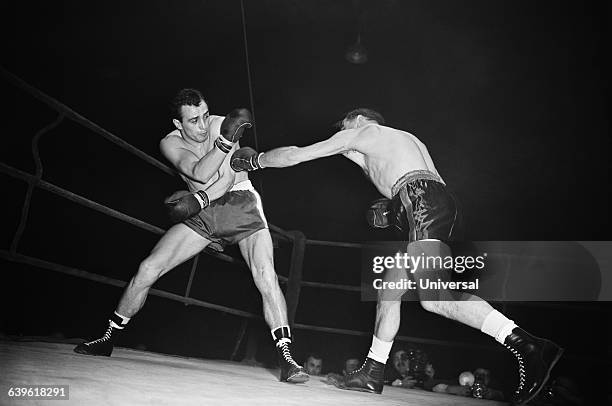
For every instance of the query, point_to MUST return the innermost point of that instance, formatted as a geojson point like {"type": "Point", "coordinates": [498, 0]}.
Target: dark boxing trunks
{"type": "Point", "coordinates": [231, 218]}
{"type": "Point", "coordinates": [422, 208]}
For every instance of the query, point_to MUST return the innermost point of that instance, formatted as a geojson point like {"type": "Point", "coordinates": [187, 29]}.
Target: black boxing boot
{"type": "Point", "coordinates": [290, 370]}
{"type": "Point", "coordinates": [368, 378]}
{"type": "Point", "coordinates": [104, 345]}
{"type": "Point", "coordinates": [536, 358]}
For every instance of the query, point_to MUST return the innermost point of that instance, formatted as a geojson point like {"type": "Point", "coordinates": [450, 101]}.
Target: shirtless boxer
{"type": "Point", "coordinates": [221, 208]}
{"type": "Point", "coordinates": [400, 167]}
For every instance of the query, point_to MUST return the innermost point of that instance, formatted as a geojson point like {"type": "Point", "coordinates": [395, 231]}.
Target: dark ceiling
{"type": "Point", "coordinates": [510, 97]}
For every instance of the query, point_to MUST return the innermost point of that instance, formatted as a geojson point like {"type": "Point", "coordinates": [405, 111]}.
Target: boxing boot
{"type": "Point", "coordinates": [536, 357]}
{"type": "Point", "coordinates": [290, 370]}
{"type": "Point", "coordinates": [368, 378]}
{"type": "Point", "coordinates": [104, 345]}
{"type": "Point", "coordinates": [101, 346]}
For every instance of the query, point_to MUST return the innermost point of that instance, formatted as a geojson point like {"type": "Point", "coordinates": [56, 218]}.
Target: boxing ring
{"type": "Point", "coordinates": [171, 379]}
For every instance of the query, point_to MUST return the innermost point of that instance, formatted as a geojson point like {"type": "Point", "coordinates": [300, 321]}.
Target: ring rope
{"type": "Point", "coordinates": [36, 181]}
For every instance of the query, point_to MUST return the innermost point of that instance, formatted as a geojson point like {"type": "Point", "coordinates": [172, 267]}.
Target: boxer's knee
{"type": "Point", "coordinates": [446, 308]}
{"type": "Point", "coordinates": [148, 273]}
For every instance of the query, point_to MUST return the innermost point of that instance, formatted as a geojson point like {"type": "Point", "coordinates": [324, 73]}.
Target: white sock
{"type": "Point", "coordinates": [497, 326]}
{"type": "Point", "coordinates": [124, 321]}
{"type": "Point", "coordinates": [379, 351]}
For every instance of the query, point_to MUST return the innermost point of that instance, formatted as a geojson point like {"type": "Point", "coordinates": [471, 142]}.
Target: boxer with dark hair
{"type": "Point", "coordinates": [220, 208]}
{"type": "Point", "coordinates": [425, 214]}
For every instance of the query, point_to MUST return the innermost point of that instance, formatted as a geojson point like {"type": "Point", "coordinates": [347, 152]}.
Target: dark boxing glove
{"type": "Point", "coordinates": [182, 205]}
{"type": "Point", "coordinates": [377, 215]}
{"type": "Point", "coordinates": [245, 159]}
{"type": "Point", "coordinates": [232, 127]}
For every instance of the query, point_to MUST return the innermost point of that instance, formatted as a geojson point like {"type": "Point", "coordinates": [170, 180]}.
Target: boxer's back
{"type": "Point", "coordinates": [385, 154]}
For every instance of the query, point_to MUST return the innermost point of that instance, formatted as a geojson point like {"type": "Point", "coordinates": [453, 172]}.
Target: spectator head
{"type": "Point", "coordinates": [351, 364]}
{"type": "Point", "coordinates": [401, 362]}
{"type": "Point", "coordinates": [313, 364]}
{"type": "Point", "coordinates": [482, 375]}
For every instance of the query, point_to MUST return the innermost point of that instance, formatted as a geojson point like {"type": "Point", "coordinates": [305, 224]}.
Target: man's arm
{"type": "Point", "coordinates": [222, 185]}
{"type": "Point", "coordinates": [289, 156]}
{"type": "Point", "coordinates": [228, 132]}
{"type": "Point", "coordinates": [187, 163]}
{"type": "Point", "coordinates": [183, 204]}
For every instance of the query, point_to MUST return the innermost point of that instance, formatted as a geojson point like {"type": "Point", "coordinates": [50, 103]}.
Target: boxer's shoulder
{"type": "Point", "coordinates": [366, 134]}
{"type": "Point", "coordinates": [172, 141]}
{"type": "Point", "coordinates": [172, 137]}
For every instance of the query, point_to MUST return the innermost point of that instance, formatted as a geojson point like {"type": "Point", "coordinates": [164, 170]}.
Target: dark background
{"type": "Point", "coordinates": [511, 98]}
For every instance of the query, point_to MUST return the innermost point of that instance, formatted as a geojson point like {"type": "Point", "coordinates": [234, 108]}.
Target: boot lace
{"type": "Point", "coordinates": [286, 354]}
{"type": "Point", "coordinates": [104, 338]}
{"type": "Point", "coordinates": [522, 373]}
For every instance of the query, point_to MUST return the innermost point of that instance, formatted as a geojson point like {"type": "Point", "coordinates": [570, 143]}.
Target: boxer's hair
{"type": "Point", "coordinates": [185, 97]}
{"type": "Point", "coordinates": [362, 111]}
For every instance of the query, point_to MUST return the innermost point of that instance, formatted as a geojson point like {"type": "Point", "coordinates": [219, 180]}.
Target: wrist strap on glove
{"type": "Point", "coordinates": [202, 198]}
{"type": "Point", "coordinates": [224, 145]}
{"type": "Point", "coordinates": [256, 161]}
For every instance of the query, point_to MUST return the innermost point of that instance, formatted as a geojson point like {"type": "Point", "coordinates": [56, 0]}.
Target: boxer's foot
{"type": "Point", "coordinates": [290, 370]}
{"type": "Point", "coordinates": [368, 378]}
{"type": "Point", "coordinates": [101, 346]}
{"type": "Point", "coordinates": [536, 358]}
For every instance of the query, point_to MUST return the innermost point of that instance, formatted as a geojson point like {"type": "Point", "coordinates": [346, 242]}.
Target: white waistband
{"type": "Point", "coordinates": [244, 185]}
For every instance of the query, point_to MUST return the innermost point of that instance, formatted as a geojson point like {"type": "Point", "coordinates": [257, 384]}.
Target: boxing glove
{"type": "Point", "coordinates": [245, 159]}
{"type": "Point", "coordinates": [232, 128]}
{"type": "Point", "coordinates": [182, 205]}
{"type": "Point", "coordinates": [377, 214]}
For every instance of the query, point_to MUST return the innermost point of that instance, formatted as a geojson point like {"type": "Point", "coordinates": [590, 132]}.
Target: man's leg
{"type": "Point", "coordinates": [370, 377]}
{"type": "Point", "coordinates": [177, 245]}
{"type": "Point", "coordinates": [462, 307]}
{"type": "Point", "coordinates": [257, 251]}
{"type": "Point", "coordinates": [536, 356]}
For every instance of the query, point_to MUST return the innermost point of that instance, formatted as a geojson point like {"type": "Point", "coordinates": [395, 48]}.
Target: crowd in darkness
{"type": "Point", "coordinates": [411, 369]}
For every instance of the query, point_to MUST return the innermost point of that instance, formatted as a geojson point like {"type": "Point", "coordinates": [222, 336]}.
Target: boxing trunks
{"type": "Point", "coordinates": [422, 208]}
{"type": "Point", "coordinates": [231, 218]}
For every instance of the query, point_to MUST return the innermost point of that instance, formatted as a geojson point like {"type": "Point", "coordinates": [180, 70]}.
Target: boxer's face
{"type": "Point", "coordinates": [400, 362]}
{"type": "Point", "coordinates": [195, 122]}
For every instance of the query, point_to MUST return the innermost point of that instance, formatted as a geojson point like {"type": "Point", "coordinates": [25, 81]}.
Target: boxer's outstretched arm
{"type": "Point", "coordinates": [289, 156]}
